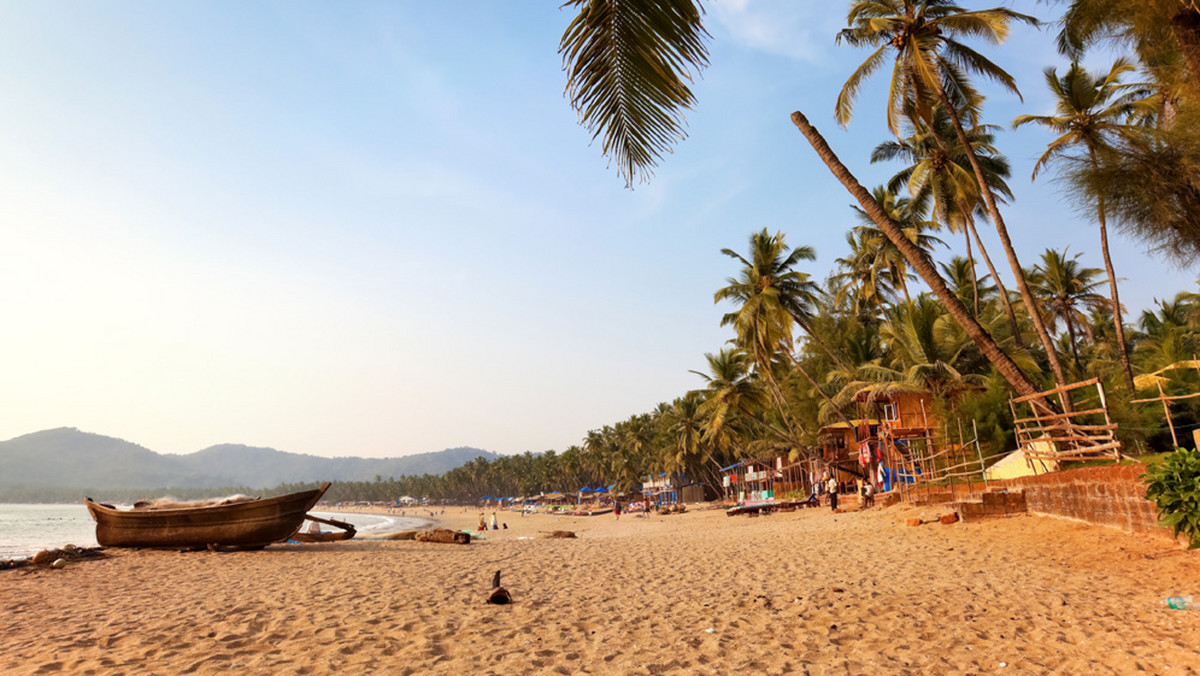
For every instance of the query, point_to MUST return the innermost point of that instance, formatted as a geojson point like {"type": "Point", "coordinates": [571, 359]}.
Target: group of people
{"type": "Point", "coordinates": [866, 493]}
{"type": "Point", "coordinates": [645, 509]}
{"type": "Point", "coordinates": [483, 524]}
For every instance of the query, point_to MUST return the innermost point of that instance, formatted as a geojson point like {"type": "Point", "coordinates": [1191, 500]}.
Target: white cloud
{"type": "Point", "coordinates": [798, 29]}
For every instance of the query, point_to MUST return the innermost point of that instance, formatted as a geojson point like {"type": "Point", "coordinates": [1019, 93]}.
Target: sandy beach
{"type": "Point", "coordinates": [803, 592]}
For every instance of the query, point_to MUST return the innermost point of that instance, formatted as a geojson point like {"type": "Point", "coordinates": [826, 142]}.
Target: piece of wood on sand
{"type": "Point", "coordinates": [499, 595]}
{"type": "Point", "coordinates": [443, 535]}
{"type": "Point", "coordinates": [558, 533]}
{"type": "Point", "coordinates": [394, 535]}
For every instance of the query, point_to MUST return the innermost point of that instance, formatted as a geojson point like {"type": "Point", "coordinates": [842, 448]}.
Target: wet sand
{"type": "Point", "coordinates": [803, 592]}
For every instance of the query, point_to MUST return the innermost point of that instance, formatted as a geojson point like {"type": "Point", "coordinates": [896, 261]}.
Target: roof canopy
{"type": "Point", "coordinates": [844, 426]}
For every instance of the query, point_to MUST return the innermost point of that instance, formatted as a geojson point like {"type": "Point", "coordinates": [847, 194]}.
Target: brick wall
{"type": "Point", "coordinates": [1112, 496]}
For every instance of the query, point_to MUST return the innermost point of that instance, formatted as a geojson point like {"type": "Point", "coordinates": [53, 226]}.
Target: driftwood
{"type": "Point", "coordinates": [558, 534]}
{"type": "Point", "coordinates": [499, 595]}
{"type": "Point", "coordinates": [443, 535]}
{"type": "Point", "coordinates": [394, 535]}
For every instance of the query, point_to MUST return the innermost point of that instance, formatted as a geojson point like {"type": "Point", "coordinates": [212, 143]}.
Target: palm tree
{"type": "Point", "coordinates": [1165, 34]}
{"type": "Point", "coordinates": [767, 292]}
{"type": "Point", "coordinates": [771, 294]}
{"type": "Point", "coordinates": [1091, 112]}
{"type": "Point", "coordinates": [928, 353]}
{"type": "Point", "coordinates": [860, 280]}
{"type": "Point", "coordinates": [1065, 290]}
{"type": "Point", "coordinates": [970, 289]}
{"type": "Point", "coordinates": [940, 169]}
{"type": "Point", "coordinates": [769, 277]}
{"type": "Point", "coordinates": [1004, 363]}
{"type": "Point", "coordinates": [733, 397]}
{"type": "Point", "coordinates": [1169, 334]}
{"type": "Point", "coordinates": [909, 214]}
{"type": "Point", "coordinates": [929, 70]}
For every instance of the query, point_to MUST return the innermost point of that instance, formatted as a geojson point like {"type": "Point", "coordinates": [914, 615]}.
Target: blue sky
{"type": "Point", "coordinates": [375, 228]}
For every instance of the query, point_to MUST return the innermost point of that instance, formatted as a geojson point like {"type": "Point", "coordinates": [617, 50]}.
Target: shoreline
{"type": "Point", "coordinates": [699, 592]}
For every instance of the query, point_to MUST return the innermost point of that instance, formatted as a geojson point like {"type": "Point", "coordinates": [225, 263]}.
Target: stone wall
{"type": "Point", "coordinates": [992, 503]}
{"type": "Point", "coordinates": [1112, 495]}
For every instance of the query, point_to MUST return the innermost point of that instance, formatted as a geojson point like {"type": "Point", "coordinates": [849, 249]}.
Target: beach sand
{"type": "Point", "coordinates": [802, 592]}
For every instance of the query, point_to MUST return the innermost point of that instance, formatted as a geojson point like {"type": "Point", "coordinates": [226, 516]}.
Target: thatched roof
{"type": "Point", "coordinates": [844, 426]}
{"type": "Point", "coordinates": [1157, 378]}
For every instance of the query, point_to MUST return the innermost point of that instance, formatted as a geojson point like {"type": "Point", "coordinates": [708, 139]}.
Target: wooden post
{"type": "Point", "coordinates": [1019, 431]}
{"type": "Point", "coordinates": [979, 450]}
{"type": "Point", "coordinates": [1167, 412]}
{"type": "Point", "coordinates": [927, 459]}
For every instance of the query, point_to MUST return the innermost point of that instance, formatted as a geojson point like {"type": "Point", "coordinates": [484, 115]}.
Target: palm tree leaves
{"type": "Point", "coordinates": [929, 57]}
{"type": "Point", "coordinates": [627, 64]}
{"type": "Point", "coordinates": [843, 108]}
{"type": "Point", "coordinates": [770, 294]}
{"type": "Point", "coordinates": [1091, 111]}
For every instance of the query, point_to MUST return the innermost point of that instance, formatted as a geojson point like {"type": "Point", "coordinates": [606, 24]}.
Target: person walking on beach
{"type": "Point", "coordinates": [833, 493]}
{"type": "Point", "coordinates": [617, 510]}
{"type": "Point", "coordinates": [494, 525]}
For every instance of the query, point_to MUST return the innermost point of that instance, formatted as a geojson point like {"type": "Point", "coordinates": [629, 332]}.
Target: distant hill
{"type": "Point", "coordinates": [68, 458]}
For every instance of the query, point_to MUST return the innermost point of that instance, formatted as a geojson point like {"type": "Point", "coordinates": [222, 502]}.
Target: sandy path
{"type": "Point", "coordinates": [805, 592]}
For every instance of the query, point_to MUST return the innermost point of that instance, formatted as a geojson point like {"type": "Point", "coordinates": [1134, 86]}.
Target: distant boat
{"type": "Point", "coordinates": [251, 524]}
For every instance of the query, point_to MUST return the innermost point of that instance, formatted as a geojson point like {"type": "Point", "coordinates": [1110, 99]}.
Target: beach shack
{"type": "Point", "coordinates": [749, 481]}
{"type": "Point", "coordinates": [766, 485]}
{"type": "Point", "coordinates": [902, 417]}
{"type": "Point", "coordinates": [844, 446]}
{"type": "Point", "coordinates": [663, 489]}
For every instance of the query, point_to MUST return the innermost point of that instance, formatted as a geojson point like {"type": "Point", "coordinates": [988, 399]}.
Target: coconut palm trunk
{"type": "Point", "coordinates": [1118, 321]}
{"type": "Point", "coordinates": [793, 430]}
{"type": "Point", "coordinates": [979, 335]}
{"type": "Point", "coordinates": [974, 277]}
{"type": "Point", "coordinates": [816, 386]}
{"type": "Point", "coordinates": [1008, 310]}
{"type": "Point", "coordinates": [989, 200]}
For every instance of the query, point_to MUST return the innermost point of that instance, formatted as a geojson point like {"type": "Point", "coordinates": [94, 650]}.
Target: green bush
{"type": "Point", "coordinates": [1174, 486]}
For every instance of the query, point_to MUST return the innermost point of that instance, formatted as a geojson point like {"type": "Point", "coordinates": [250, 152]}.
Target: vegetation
{"type": "Point", "coordinates": [1174, 486]}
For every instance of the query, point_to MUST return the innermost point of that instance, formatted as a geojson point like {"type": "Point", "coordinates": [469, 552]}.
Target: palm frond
{"type": "Point", "coordinates": [627, 64]}
{"type": "Point", "coordinates": [843, 108]}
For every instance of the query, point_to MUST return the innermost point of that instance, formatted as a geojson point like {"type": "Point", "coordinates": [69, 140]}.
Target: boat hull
{"type": "Point", "coordinates": [242, 525]}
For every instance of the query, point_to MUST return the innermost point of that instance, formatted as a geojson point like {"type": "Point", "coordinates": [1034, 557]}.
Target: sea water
{"type": "Point", "coordinates": [26, 529]}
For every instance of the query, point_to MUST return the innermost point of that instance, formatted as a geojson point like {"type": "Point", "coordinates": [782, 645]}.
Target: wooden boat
{"type": "Point", "coordinates": [322, 536]}
{"type": "Point", "coordinates": [252, 524]}
{"type": "Point", "coordinates": [591, 512]}
{"type": "Point", "coordinates": [348, 531]}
